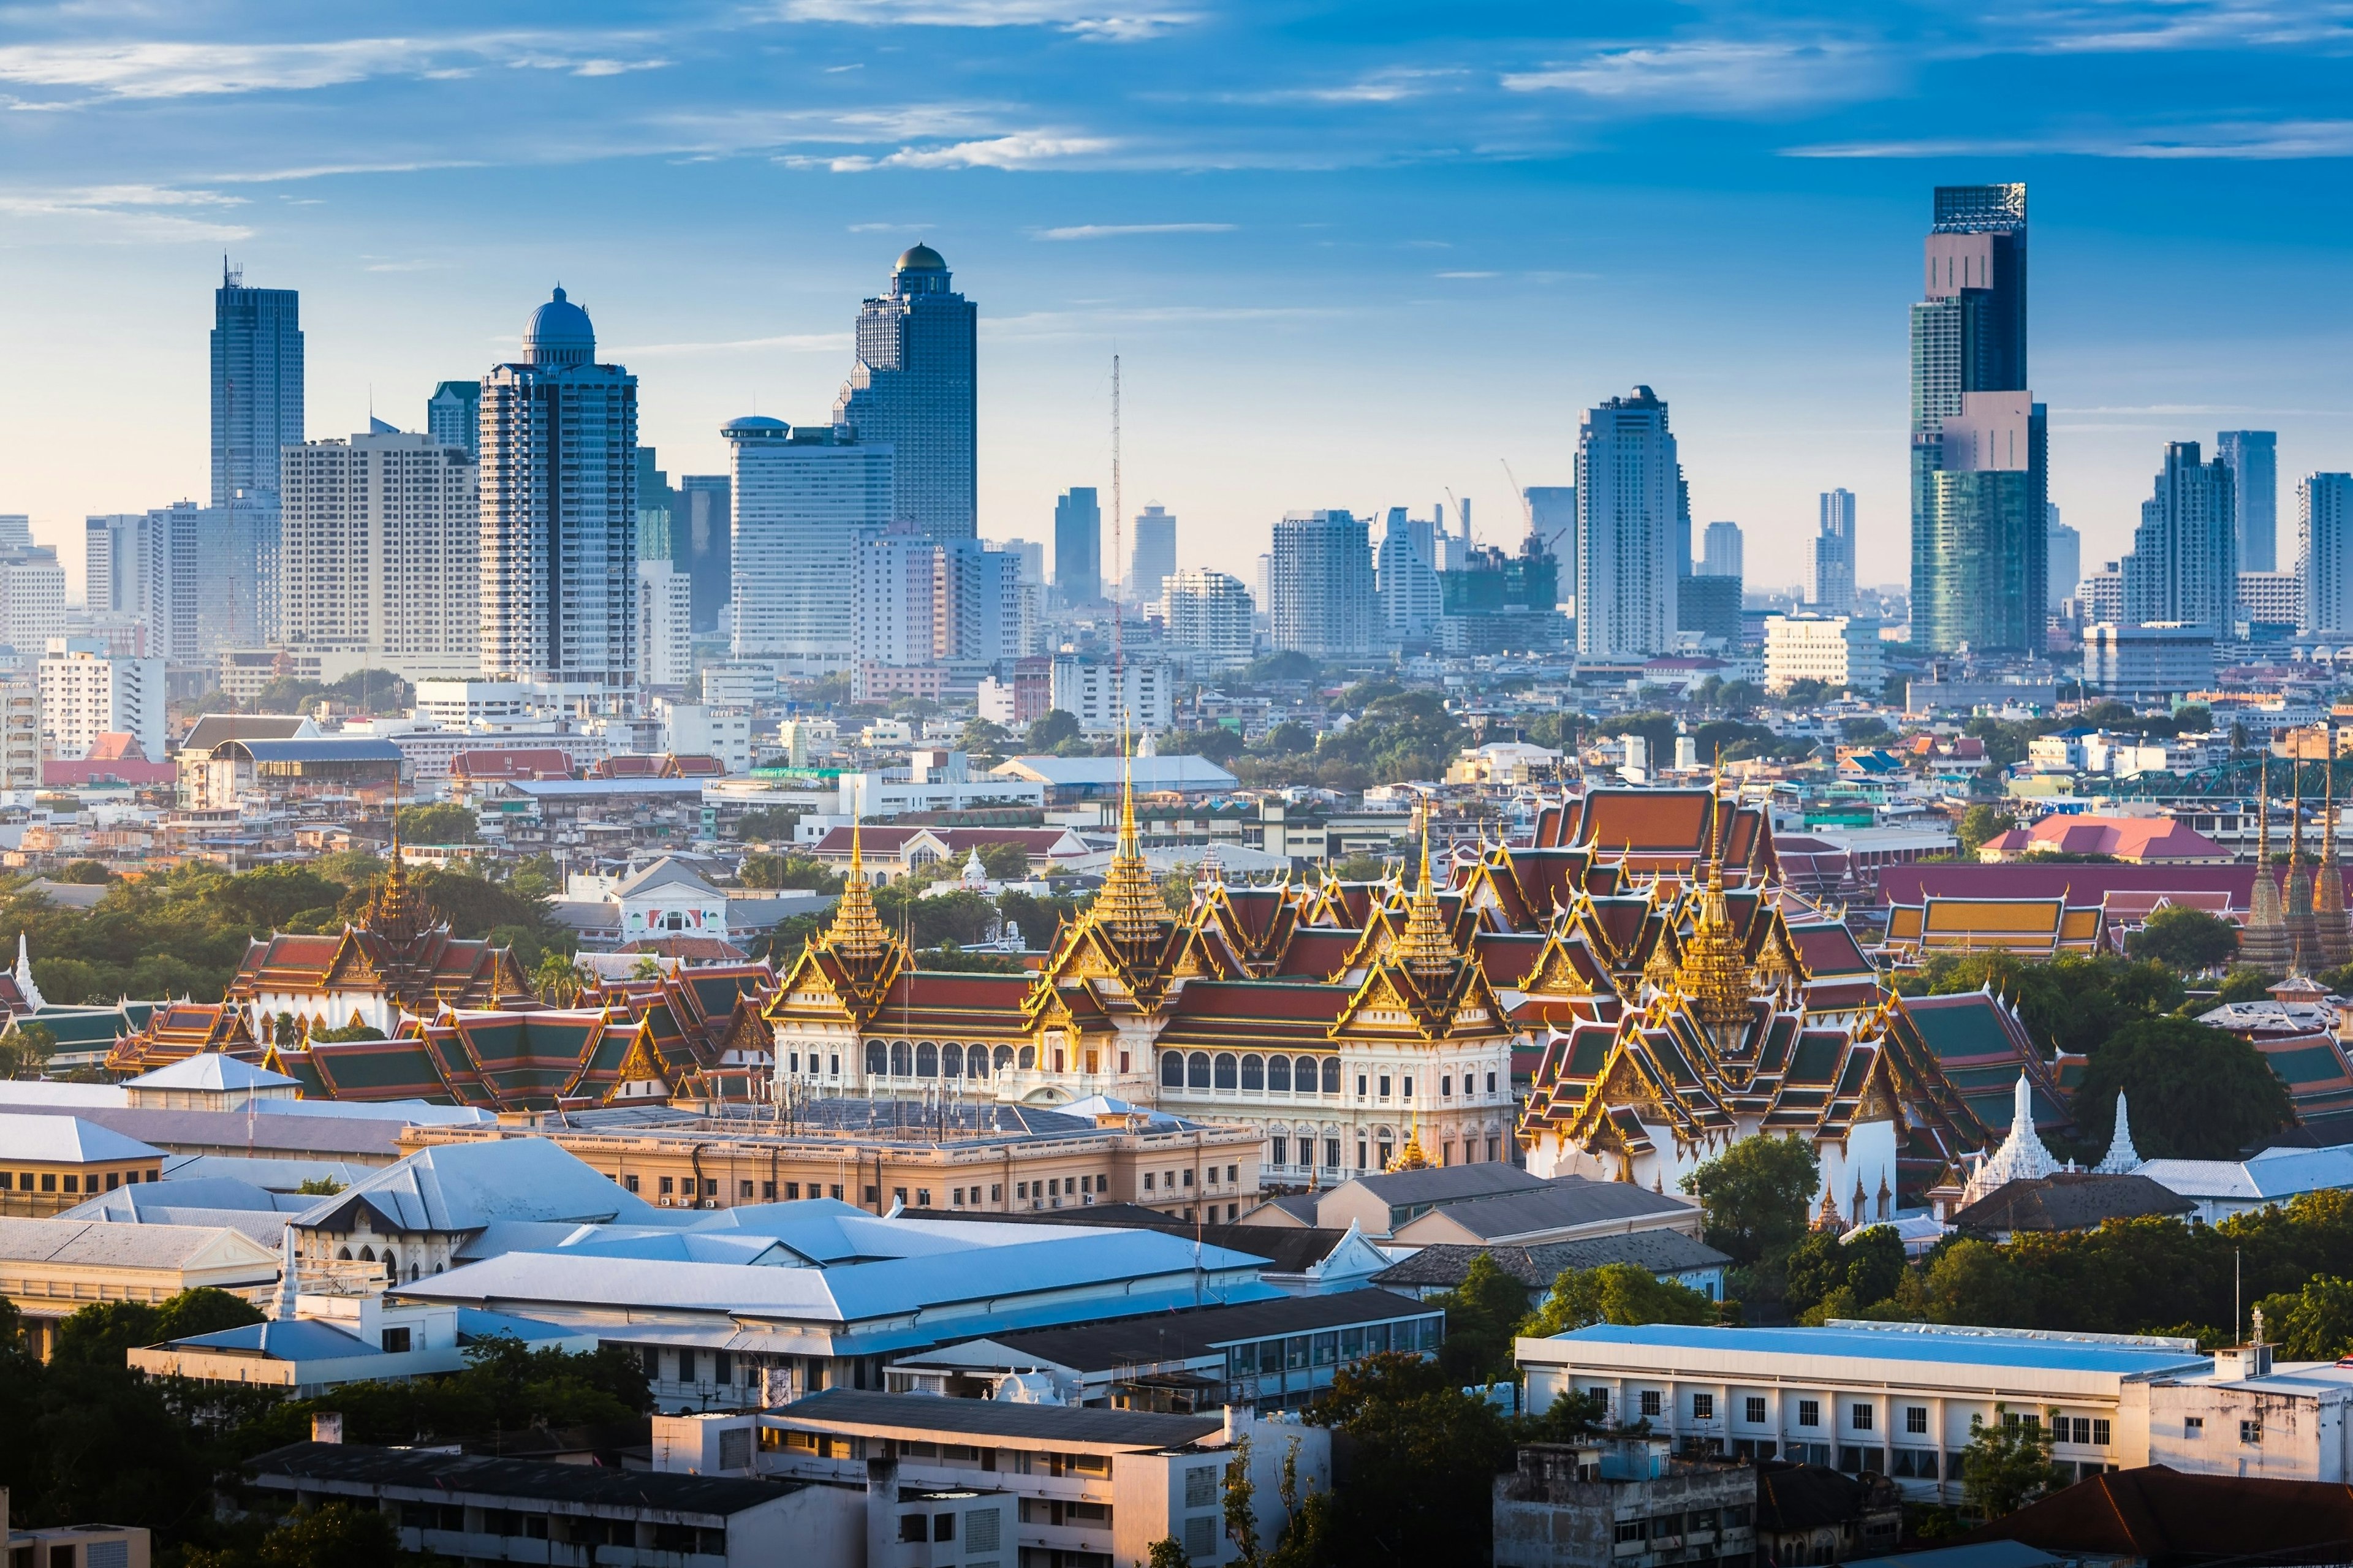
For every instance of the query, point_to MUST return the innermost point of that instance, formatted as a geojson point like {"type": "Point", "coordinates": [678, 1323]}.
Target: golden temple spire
{"type": "Point", "coordinates": [1715, 972]}
{"type": "Point", "coordinates": [1428, 952]}
{"type": "Point", "coordinates": [1129, 906]}
{"type": "Point", "coordinates": [857, 929]}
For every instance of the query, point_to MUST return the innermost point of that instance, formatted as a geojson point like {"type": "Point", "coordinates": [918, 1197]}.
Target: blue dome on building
{"type": "Point", "coordinates": [559, 334]}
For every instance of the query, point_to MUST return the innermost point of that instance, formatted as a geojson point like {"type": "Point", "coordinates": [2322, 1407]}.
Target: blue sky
{"type": "Point", "coordinates": [1352, 254]}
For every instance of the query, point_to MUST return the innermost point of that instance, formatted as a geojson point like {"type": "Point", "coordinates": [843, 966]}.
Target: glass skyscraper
{"type": "Point", "coordinates": [912, 390]}
{"type": "Point", "coordinates": [453, 415]}
{"type": "Point", "coordinates": [1077, 546]}
{"type": "Point", "coordinates": [1833, 585]}
{"type": "Point", "coordinates": [2253, 457]}
{"type": "Point", "coordinates": [1969, 382]}
{"type": "Point", "coordinates": [2184, 565]}
{"type": "Point", "coordinates": [257, 375]}
{"type": "Point", "coordinates": [1633, 528]}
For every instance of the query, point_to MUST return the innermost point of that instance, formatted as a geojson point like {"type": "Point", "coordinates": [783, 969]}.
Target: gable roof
{"type": "Point", "coordinates": [40, 1139]}
{"type": "Point", "coordinates": [466, 1186]}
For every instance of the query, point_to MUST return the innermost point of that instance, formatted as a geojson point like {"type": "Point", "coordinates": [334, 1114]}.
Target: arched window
{"type": "Point", "coordinates": [878, 1060]}
{"type": "Point", "coordinates": [903, 1061]}
{"type": "Point", "coordinates": [1278, 1075]}
{"type": "Point", "coordinates": [1331, 1075]}
{"type": "Point", "coordinates": [1005, 1058]}
{"type": "Point", "coordinates": [927, 1060]}
{"type": "Point", "coordinates": [368, 1255]}
{"type": "Point", "coordinates": [1029, 1058]}
{"type": "Point", "coordinates": [1197, 1070]}
{"type": "Point", "coordinates": [412, 1272]}
{"type": "Point", "coordinates": [391, 1267]}
{"type": "Point", "coordinates": [978, 1060]}
{"type": "Point", "coordinates": [1307, 1075]}
{"type": "Point", "coordinates": [343, 1254]}
{"type": "Point", "coordinates": [1225, 1070]}
{"type": "Point", "coordinates": [1172, 1070]}
{"type": "Point", "coordinates": [1253, 1073]}
{"type": "Point", "coordinates": [951, 1061]}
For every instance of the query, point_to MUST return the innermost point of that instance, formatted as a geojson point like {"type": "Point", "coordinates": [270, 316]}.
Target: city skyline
{"type": "Point", "coordinates": [1206, 205]}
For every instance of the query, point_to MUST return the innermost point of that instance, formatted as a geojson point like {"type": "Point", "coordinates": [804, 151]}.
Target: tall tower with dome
{"type": "Point", "coordinates": [912, 388]}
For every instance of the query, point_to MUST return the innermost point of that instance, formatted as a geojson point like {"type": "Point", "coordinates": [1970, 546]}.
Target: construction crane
{"type": "Point", "coordinates": [1528, 507]}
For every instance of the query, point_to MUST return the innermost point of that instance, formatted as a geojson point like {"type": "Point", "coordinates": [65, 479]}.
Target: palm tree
{"type": "Point", "coordinates": [560, 980]}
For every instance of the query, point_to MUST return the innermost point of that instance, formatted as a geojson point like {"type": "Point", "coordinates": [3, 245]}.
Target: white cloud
{"type": "Point", "coordinates": [1465, 274]}
{"type": "Point", "coordinates": [1113, 230]}
{"type": "Point", "coordinates": [158, 68]}
{"type": "Point", "coordinates": [1713, 75]}
{"type": "Point", "coordinates": [1081, 17]}
{"type": "Point", "coordinates": [2245, 140]}
{"type": "Point", "coordinates": [124, 213]}
{"type": "Point", "coordinates": [1022, 150]}
{"type": "Point", "coordinates": [797, 343]}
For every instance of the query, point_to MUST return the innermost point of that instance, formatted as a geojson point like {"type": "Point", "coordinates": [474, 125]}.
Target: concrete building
{"type": "Point", "coordinates": [257, 386]}
{"type": "Point", "coordinates": [453, 417]}
{"type": "Point", "coordinates": [1633, 527]}
{"type": "Point", "coordinates": [803, 499]}
{"type": "Point", "coordinates": [51, 1268]}
{"type": "Point", "coordinates": [665, 626]}
{"type": "Point", "coordinates": [893, 604]}
{"type": "Point", "coordinates": [1320, 598]}
{"type": "Point", "coordinates": [912, 390]}
{"type": "Point", "coordinates": [380, 554]}
{"type": "Point", "coordinates": [1830, 589]}
{"type": "Point", "coordinates": [2324, 553]}
{"type": "Point", "coordinates": [1624, 1503]}
{"type": "Point", "coordinates": [1153, 557]}
{"type": "Point", "coordinates": [2253, 457]}
{"type": "Point", "coordinates": [1721, 551]}
{"type": "Point", "coordinates": [20, 734]}
{"type": "Point", "coordinates": [1406, 575]}
{"type": "Point", "coordinates": [2273, 599]}
{"type": "Point", "coordinates": [74, 1545]}
{"type": "Point", "coordinates": [2184, 565]}
{"type": "Point", "coordinates": [86, 693]}
{"type": "Point", "coordinates": [559, 547]}
{"type": "Point", "coordinates": [1109, 701]}
{"type": "Point", "coordinates": [2062, 554]}
{"type": "Point", "coordinates": [32, 597]}
{"type": "Point", "coordinates": [976, 607]}
{"type": "Point", "coordinates": [1077, 546]}
{"type": "Point", "coordinates": [1841, 651]}
{"type": "Point", "coordinates": [1208, 619]}
{"type": "Point", "coordinates": [2155, 658]}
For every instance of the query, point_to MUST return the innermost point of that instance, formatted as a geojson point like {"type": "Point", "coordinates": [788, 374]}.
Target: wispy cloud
{"type": "Point", "coordinates": [2247, 140]}
{"type": "Point", "coordinates": [127, 214]}
{"type": "Point", "coordinates": [1023, 150]}
{"type": "Point", "coordinates": [797, 343]}
{"type": "Point", "coordinates": [1467, 275]}
{"type": "Point", "coordinates": [1115, 230]}
{"type": "Point", "coordinates": [154, 68]}
{"type": "Point", "coordinates": [1085, 20]}
{"type": "Point", "coordinates": [1715, 75]}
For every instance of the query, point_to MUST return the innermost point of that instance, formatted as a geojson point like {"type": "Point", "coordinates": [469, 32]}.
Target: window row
{"type": "Point", "coordinates": [1863, 1416]}
{"type": "Point", "coordinates": [1304, 1353]}
{"type": "Point", "coordinates": [926, 1059]}
{"type": "Point", "coordinates": [1252, 1072]}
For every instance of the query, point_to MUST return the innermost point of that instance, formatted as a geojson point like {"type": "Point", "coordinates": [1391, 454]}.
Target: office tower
{"type": "Point", "coordinates": [114, 563]}
{"type": "Point", "coordinates": [1976, 540]}
{"type": "Point", "coordinates": [977, 605]}
{"type": "Point", "coordinates": [1831, 587]}
{"type": "Point", "coordinates": [453, 415]}
{"type": "Point", "coordinates": [1711, 606]}
{"type": "Point", "coordinates": [194, 579]}
{"type": "Point", "coordinates": [87, 693]}
{"type": "Point", "coordinates": [1721, 553]}
{"type": "Point", "coordinates": [2253, 457]}
{"type": "Point", "coordinates": [2184, 565]}
{"type": "Point", "coordinates": [32, 598]}
{"type": "Point", "coordinates": [1077, 546]}
{"type": "Point", "coordinates": [381, 554]}
{"type": "Point", "coordinates": [704, 526]}
{"type": "Point", "coordinates": [1153, 556]}
{"type": "Point", "coordinates": [912, 390]}
{"type": "Point", "coordinates": [257, 384]}
{"type": "Point", "coordinates": [1209, 619]}
{"type": "Point", "coordinates": [1031, 554]}
{"type": "Point", "coordinates": [15, 530]}
{"type": "Point", "coordinates": [2062, 554]}
{"type": "Point", "coordinates": [803, 497]}
{"type": "Point", "coordinates": [1552, 517]}
{"type": "Point", "coordinates": [1406, 576]}
{"type": "Point", "coordinates": [1320, 585]}
{"type": "Point", "coordinates": [2324, 554]}
{"type": "Point", "coordinates": [1501, 604]}
{"type": "Point", "coordinates": [657, 535]}
{"type": "Point", "coordinates": [665, 626]}
{"type": "Point", "coordinates": [2101, 594]}
{"type": "Point", "coordinates": [1631, 512]}
{"type": "Point", "coordinates": [559, 572]}
{"type": "Point", "coordinates": [894, 613]}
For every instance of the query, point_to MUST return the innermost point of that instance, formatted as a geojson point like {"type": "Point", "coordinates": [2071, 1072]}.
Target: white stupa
{"type": "Point", "coordinates": [2021, 1158]}
{"type": "Point", "coordinates": [2121, 1159]}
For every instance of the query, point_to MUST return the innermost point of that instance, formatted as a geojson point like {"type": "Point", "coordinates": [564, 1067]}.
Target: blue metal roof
{"type": "Point", "coordinates": [1981, 1349]}
{"type": "Point", "coordinates": [324, 750]}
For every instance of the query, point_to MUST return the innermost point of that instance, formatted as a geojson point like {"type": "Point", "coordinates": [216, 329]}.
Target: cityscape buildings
{"type": "Point", "coordinates": [2324, 554]}
{"type": "Point", "coordinates": [1832, 589]}
{"type": "Point", "coordinates": [2184, 566]}
{"type": "Point", "coordinates": [380, 555]}
{"type": "Point", "coordinates": [559, 512]}
{"type": "Point", "coordinates": [453, 415]}
{"type": "Point", "coordinates": [1320, 598]}
{"type": "Point", "coordinates": [1208, 619]}
{"type": "Point", "coordinates": [803, 498]}
{"type": "Point", "coordinates": [1633, 528]}
{"type": "Point", "coordinates": [1979, 568]}
{"type": "Point", "coordinates": [1077, 546]}
{"type": "Point", "coordinates": [1406, 573]}
{"type": "Point", "coordinates": [2063, 558]}
{"type": "Point", "coordinates": [1552, 517]}
{"type": "Point", "coordinates": [914, 389]}
{"type": "Point", "coordinates": [665, 626]}
{"type": "Point", "coordinates": [2253, 457]}
{"type": "Point", "coordinates": [1154, 554]}
{"type": "Point", "coordinates": [88, 692]}
{"type": "Point", "coordinates": [705, 527]}
{"type": "Point", "coordinates": [1720, 551]}
{"type": "Point", "coordinates": [257, 386]}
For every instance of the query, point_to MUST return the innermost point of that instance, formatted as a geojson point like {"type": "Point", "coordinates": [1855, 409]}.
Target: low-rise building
{"type": "Point", "coordinates": [1668, 1255]}
{"type": "Point", "coordinates": [1840, 651]}
{"type": "Point", "coordinates": [73, 1545]}
{"type": "Point", "coordinates": [2161, 659]}
{"type": "Point", "coordinates": [1623, 1503]}
{"type": "Point", "coordinates": [51, 1268]}
{"type": "Point", "coordinates": [49, 1163]}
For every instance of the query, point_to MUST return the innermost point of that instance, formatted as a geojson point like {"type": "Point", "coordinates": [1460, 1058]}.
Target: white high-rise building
{"type": "Point", "coordinates": [559, 537]}
{"type": "Point", "coordinates": [2324, 533]}
{"type": "Point", "coordinates": [665, 626]}
{"type": "Point", "coordinates": [1841, 651]}
{"type": "Point", "coordinates": [380, 554]}
{"type": "Point", "coordinates": [976, 605]}
{"type": "Point", "coordinates": [32, 598]}
{"type": "Point", "coordinates": [2064, 553]}
{"type": "Point", "coordinates": [15, 530]}
{"type": "Point", "coordinates": [2184, 565]}
{"type": "Point", "coordinates": [1722, 553]}
{"type": "Point", "coordinates": [1320, 598]}
{"type": "Point", "coordinates": [1106, 700]}
{"type": "Point", "coordinates": [803, 498]}
{"type": "Point", "coordinates": [1629, 501]}
{"type": "Point", "coordinates": [1207, 618]}
{"type": "Point", "coordinates": [1154, 555]}
{"type": "Point", "coordinates": [893, 612]}
{"type": "Point", "coordinates": [87, 693]}
{"type": "Point", "coordinates": [1406, 575]}
{"type": "Point", "coordinates": [1832, 589]}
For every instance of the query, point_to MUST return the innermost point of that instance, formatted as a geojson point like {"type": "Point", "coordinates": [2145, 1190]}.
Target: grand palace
{"type": "Point", "coordinates": [1623, 995]}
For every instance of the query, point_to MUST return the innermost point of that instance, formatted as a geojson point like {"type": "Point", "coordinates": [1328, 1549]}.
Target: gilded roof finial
{"type": "Point", "coordinates": [1428, 952]}
{"type": "Point", "coordinates": [1129, 906]}
{"type": "Point", "coordinates": [857, 929]}
{"type": "Point", "coordinates": [1715, 971]}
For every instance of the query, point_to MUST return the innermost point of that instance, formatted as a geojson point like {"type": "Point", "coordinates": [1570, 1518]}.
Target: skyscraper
{"type": "Point", "coordinates": [2184, 563]}
{"type": "Point", "coordinates": [256, 376]}
{"type": "Point", "coordinates": [559, 537]}
{"type": "Point", "coordinates": [1406, 574]}
{"type": "Point", "coordinates": [1979, 570]}
{"type": "Point", "coordinates": [1831, 592]}
{"type": "Point", "coordinates": [1208, 616]}
{"type": "Point", "coordinates": [453, 415]}
{"type": "Point", "coordinates": [1154, 554]}
{"type": "Point", "coordinates": [1320, 598]}
{"type": "Point", "coordinates": [1552, 517]}
{"type": "Point", "coordinates": [2324, 554]}
{"type": "Point", "coordinates": [658, 535]}
{"type": "Point", "coordinates": [803, 499]}
{"type": "Point", "coordinates": [2253, 457]}
{"type": "Point", "coordinates": [2065, 556]}
{"type": "Point", "coordinates": [381, 554]}
{"type": "Point", "coordinates": [1631, 511]}
{"type": "Point", "coordinates": [1077, 546]}
{"type": "Point", "coordinates": [705, 523]}
{"type": "Point", "coordinates": [1721, 553]}
{"type": "Point", "coordinates": [912, 390]}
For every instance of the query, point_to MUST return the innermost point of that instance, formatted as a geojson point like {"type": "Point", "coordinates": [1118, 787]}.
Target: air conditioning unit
{"type": "Point", "coordinates": [665, 1200]}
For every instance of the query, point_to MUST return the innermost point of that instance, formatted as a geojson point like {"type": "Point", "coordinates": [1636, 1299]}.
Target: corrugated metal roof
{"type": "Point", "coordinates": [453, 1475]}
{"type": "Point", "coordinates": [68, 1241]}
{"type": "Point", "coordinates": [466, 1186]}
{"type": "Point", "coordinates": [2048, 1353]}
{"type": "Point", "coordinates": [67, 1140]}
{"type": "Point", "coordinates": [915, 1413]}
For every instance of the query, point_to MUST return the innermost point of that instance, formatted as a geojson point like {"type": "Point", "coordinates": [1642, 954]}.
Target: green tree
{"type": "Point", "coordinates": [1004, 862]}
{"type": "Point", "coordinates": [1482, 1315]}
{"type": "Point", "coordinates": [768, 824]}
{"type": "Point", "coordinates": [805, 872]}
{"type": "Point", "coordinates": [2315, 1323]}
{"type": "Point", "coordinates": [320, 1186]}
{"type": "Point", "coordinates": [438, 823]}
{"type": "Point", "coordinates": [2008, 1464]}
{"type": "Point", "coordinates": [336, 1536]}
{"type": "Point", "coordinates": [2192, 940]}
{"type": "Point", "coordinates": [560, 980]}
{"type": "Point", "coordinates": [26, 1051]}
{"type": "Point", "coordinates": [1166, 1553]}
{"type": "Point", "coordinates": [1058, 725]}
{"type": "Point", "coordinates": [2245, 985]}
{"type": "Point", "coordinates": [1844, 1275]}
{"type": "Point", "coordinates": [1975, 1282]}
{"type": "Point", "coordinates": [1621, 1293]}
{"type": "Point", "coordinates": [1756, 1195]}
{"type": "Point", "coordinates": [1424, 1460]}
{"type": "Point", "coordinates": [2196, 1093]}
{"type": "Point", "coordinates": [87, 873]}
{"type": "Point", "coordinates": [1276, 667]}
{"type": "Point", "coordinates": [1980, 823]}
{"type": "Point", "coordinates": [1241, 1518]}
